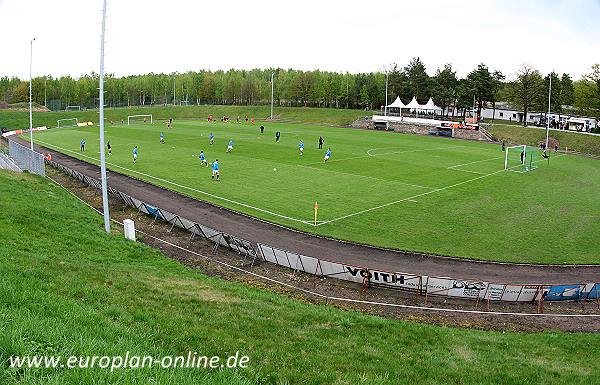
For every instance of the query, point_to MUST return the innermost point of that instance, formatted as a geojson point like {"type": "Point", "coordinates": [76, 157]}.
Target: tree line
{"type": "Point", "coordinates": [527, 90]}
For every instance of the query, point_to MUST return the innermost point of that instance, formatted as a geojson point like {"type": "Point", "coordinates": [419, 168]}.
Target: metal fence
{"type": "Point", "coordinates": [26, 159]}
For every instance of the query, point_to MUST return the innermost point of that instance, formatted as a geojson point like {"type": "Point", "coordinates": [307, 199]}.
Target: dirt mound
{"type": "Point", "coordinates": [24, 106]}
{"type": "Point", "coordinates": [553, 143]}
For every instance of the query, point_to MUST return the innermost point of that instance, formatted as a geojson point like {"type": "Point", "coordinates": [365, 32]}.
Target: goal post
{"type": "Point", "coordinates": [520, 158]}
{"type": "Point", "coordinates": [72, 108]}
{"type": "Point", "coordinates": [67, 122]}
{"type": "Point", "coordinates": [134, 118]}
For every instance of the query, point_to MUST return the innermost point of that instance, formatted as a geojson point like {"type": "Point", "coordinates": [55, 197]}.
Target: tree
{"type": "Point", "coordinates": [527, 89]}
{"type": "Point", "coordinates": [587, 91]}
{"type": "Point", "coordinates": [398, 83]}
{"type": "Point", "coordinates": [482, 84]}
{"type": "Point", "coordinates": [364, 96]}
{"type": "Point", "coordinates": [418, 80]}
{"type": "Point", "coordinates": [497, 87]}
{"type": "Point", "coordinates": [567, 92]}
{"type": "Point", "coordinates": [445, 87]}
{"type": "Point", "coordinates": [555, 93]}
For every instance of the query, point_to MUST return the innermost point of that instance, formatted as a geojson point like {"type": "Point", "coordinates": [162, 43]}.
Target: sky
{"type": "Point", "coordinates": [145, 36]}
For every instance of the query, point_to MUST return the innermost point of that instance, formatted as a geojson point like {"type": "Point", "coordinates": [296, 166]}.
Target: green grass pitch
{"type": "Point", "coordinates": [426, 194]}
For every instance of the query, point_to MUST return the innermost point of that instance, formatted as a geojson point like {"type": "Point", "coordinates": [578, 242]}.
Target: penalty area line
{"type": "Point", "coordinates": [311, 223]}
{"type": "Point", "coordinates": [423, 194]}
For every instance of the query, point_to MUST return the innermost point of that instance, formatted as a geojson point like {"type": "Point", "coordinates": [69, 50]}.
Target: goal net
{"type": "Point", "coordinates": [73, 108]}
{"type": "Point", "coordinates": [139, 119]}
{"type": "Point", "coordinates": [520, 158]}
{"type": "Point", "coordinates": [68, 122]}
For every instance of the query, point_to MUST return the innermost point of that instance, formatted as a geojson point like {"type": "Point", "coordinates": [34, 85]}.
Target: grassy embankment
{"type": "Point", "coordinates": [67, 288]}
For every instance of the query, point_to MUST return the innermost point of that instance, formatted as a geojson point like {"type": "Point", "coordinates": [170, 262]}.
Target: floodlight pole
{"type": "Point", "coordinates": [272, 93]}
{"type": "Point", "coordinates": [30, 94]}
{"type": "Point", "coordinates": [386, 93]}
{"type": "Point", "coordinates": [548, 116]}
{"type": "Point", "coordinates": [102, 154]}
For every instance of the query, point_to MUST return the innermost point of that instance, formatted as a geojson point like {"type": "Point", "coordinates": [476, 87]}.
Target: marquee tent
{"type": "Point", "coordinates": [397, 103]}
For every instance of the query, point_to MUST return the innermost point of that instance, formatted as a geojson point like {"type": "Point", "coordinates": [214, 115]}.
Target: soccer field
{"type": "Point", "coordinates": [418, 193]}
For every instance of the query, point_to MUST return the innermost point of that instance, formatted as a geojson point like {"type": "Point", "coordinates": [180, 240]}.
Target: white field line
{"type": "Point", "coordinates": [418, 195]}
{"type": "Point", "coordinates": [186, 187]}
{"type": "Point", "coordinates": [477, 161]}
{"type": "Point", "coordinates": [368, 177]}
{"type": "Point", "coordinates": [456, 166]}
{"type": "Point", "coordinates": [469, 171]}
{"type": "Point", "coordinates": [407, 151]}
{"type": "Point", "coordinates": [387, 153]}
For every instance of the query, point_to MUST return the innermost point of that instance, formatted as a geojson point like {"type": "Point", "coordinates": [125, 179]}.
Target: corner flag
{"type": "Point", "coordinates": [316, 209]}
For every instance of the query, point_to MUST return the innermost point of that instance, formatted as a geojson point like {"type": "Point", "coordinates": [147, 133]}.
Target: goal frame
{"type": "Point", "coordinates": [138, 116]}
{"type": "Point", "coordinates": [523, 148]}
{"type": "Point", "coordinates": [72, 108]}
{"type": "Point", "coordinates": [60, 120]}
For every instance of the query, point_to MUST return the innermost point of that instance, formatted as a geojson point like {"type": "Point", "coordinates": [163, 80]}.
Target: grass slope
{"type": "Point", "coordinates": [67, 288]}
{"type": "Point", "coordinates": [380, 188]}
{"type": "Point", "coordinates": [329, 116]}
{"type": "Point", "coordinates": [587, 144]}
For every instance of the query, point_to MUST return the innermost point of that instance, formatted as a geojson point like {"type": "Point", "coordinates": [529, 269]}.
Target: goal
{"type": "Point", "coordinates": [520, 158]}
{"type": "Point", "coordinates": [68, 122]}
{"type": "Point", "coordinates": [138, 118]}
{"type": "Point", "coordinates": [72, 108]}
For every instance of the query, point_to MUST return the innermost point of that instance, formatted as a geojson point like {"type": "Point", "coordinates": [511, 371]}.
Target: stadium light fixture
{"type": "Point", "coordinates": [101, 107]}
{"type": "Point", "coordinates": [30, 94]}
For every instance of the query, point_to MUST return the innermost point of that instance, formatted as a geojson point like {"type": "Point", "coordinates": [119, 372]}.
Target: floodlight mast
{"type": "Point", "coordinates": [548, 116]}
{"type": "Point", "coordinates": [102, 154]}
{"type": "Point", "coordinates": [272, 93]}
{"type": "Point", "coordinates": [386, 92]}
{"type": "Point", "coordinates": [30, 93]}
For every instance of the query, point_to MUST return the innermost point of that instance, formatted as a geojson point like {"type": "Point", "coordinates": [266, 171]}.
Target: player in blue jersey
{"type": "Point", "coordinates": [301, 148]}
{"type": "Point", "coordinates": [82, 145]}
{"type": "Point", "coordinates": [215, 170]}
{"type": "Point", "coordinates": [229, 146]}
{"type": "Point", "coordinates": [162, 138]}
{"type": "Point", "coordinates": [327, 155]}
{"type": "Point", "coordinates": [202, 159]}
{"type": "Point", "coordinates": [135, 154]}
{"type": "Point", "coordinates": [211, 138]}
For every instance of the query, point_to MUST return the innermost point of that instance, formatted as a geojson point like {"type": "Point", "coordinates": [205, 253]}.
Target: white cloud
{"type": "Point", "coordinates": [179, 35]}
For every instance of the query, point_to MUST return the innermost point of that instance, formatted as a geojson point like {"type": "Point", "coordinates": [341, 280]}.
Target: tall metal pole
{"type": "Point", "coordinates": [102, 154]}
{"type": "Point", "coordinates": [30, 93]}
{"type": "Point", "coordinates": [45, 93]}
{"type": "Point", "coordinates": [386, 93]}
{"type": "Point", "coordinates": [548, 116]}
{"type": "Point", "coordinates": [173, 90]}
{"type": "Point", "coordinates": [272, 93]}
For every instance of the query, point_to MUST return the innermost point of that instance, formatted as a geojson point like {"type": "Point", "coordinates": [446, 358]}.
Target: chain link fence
{"type": "Point", "coordinates": [26, 159]}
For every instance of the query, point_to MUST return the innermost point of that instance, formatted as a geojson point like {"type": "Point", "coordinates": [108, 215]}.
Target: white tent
{"type": "Point", "coordinates": [430, 106]}
{"type": "Point", "coordinates": [397, 103]}
{"type": "Point", "coordinates": [414, 104]}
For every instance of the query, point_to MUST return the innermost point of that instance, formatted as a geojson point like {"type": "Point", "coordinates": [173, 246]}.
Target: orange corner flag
{"type": "Point", "coordinates": [316, 209]}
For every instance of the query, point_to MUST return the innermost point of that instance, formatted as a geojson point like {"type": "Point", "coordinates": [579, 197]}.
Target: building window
{"type": "Point", "coordinates": [501, 114]}
{"type": "Point", "coordinates": [514, 115]}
